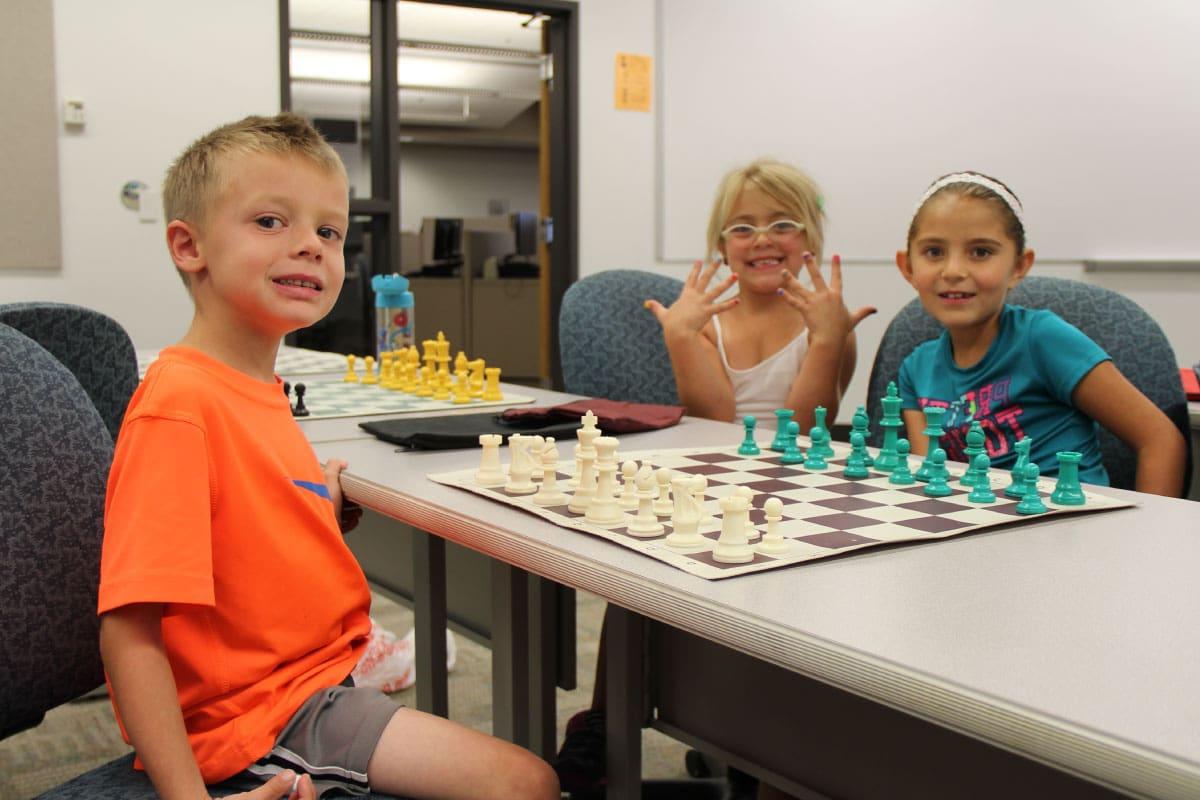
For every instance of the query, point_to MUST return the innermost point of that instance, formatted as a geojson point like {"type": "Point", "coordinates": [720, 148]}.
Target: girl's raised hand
{"type": "Point", "coordinates": [696, 304]}
{"type": "Point", "coordinates": [825, 314]}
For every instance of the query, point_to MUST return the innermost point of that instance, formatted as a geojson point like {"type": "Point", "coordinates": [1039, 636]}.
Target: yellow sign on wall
{"type": "Point", "coordinates": [634, 81]}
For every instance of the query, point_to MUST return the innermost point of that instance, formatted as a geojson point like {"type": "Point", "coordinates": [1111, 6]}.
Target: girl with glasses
{"type": "Point", "coordinates": [777, 343]}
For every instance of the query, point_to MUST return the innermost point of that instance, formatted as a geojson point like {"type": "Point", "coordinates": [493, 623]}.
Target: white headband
{"type": "Point", "coordinates": [1008, 197]}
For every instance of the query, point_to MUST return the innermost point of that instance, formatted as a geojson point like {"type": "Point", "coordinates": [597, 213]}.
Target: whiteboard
{"type": "Point", "coordinates": [1090, 111]}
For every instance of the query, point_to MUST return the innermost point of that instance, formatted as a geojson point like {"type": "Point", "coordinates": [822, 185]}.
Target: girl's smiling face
{"type": "Point", "coordinates": [962, 262]}
{"type": "Point", "coordinates": [759, 261]}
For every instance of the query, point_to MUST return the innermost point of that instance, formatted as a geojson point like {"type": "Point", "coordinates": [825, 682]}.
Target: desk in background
{"type": "Point", "coordinates": [1060, 648]}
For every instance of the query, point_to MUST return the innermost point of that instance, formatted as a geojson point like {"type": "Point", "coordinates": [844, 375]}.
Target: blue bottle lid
{"type": "Point", "coordinates": [391, 291]}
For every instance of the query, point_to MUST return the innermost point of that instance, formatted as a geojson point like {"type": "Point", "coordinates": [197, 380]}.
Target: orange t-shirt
{"type": "Point", "coordinates": [217, 507]}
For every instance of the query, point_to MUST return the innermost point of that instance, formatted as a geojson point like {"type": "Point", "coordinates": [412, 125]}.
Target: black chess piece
{"type": "Point", "coordinates": [287, 391]}
{"type": "Point", "coordinates": [299, 410]}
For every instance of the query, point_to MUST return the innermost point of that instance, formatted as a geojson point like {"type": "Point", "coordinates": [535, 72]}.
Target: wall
{"type": "Point", "coordinates": [154, 75]}
{"type": "Point", "coordinates": [619, 198]}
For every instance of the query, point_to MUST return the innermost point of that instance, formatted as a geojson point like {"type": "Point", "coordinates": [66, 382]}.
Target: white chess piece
{"type": "Point", "coordinates": [519, 466]}
{"type": "Point", "coordinates": [548, 493]}
{"type": "Point", "coordinates": [628, 498]}
{"type": "Point", "coordinates": [587, 482]}
{"type": "Point", "coordinates": [645, 524]}
{"type": "Point", "coordinates": [732, 547]}
{"type": "Point", "coordinates": [535, 455]}
{"type": "Point", "coordinates": [578, 469]}
{"type": "Point", "coordinates": [603, 508]}
{"type": "Point", "coordinates": [748, 493]}
{"type": "Point", "coordinates": [685, 522]}
{"type": "Point", "coordinates": [698, 487]}
{"type": "Point", "coordinates": [663, 506]}
{"type": "Point", "coordinates": [773, 542]}
{"type": "Point", "coordinates": [490, 473]}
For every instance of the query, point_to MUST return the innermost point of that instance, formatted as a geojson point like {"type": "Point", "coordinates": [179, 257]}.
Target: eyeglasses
{"type": "Point", "coordinates": [779, 230]}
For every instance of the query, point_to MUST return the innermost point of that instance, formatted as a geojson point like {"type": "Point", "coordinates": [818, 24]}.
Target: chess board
{"type": "Point", "coordinates": [329, 399]}
{"type": "Point", "coordinates": [289, 361]}
{"type": "Point", "coordinates": [824, 514]}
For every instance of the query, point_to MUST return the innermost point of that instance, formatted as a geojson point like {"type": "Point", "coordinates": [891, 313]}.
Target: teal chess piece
{"type": "Point", "coordinates": [793, 454]}
{"type": "Point", "coordinates": [938, 485]}
{"type": "Point", "coordinates": [782, 417]}
{"type": "Point", "coordinates": [815, 459]}
{"type": "Point", "coordinates": [826, 449]}
{"type": "Point", "coordinates": [1017, 488]}
{"type": "Point", "coordinates": [1031, 502]}
{"type": "Point", "coordinates": [1067, 491]}
{"type": "Point", "coordinates": [856, 467]}
{"type": "Point", "coordinates": [748, 446]}
{"type": "Point", "coordinates": [933, 432]}
{"type": "Point", "coordinates": [891, 423]}
{"type": "Point", "coordinates": [901, 476]}
{"type": "Point", "coordinates": [981, 490]}
{"type": "Point", "coordinates": [975, 440]}
{"type": "Point", "coordinates": [859, 424]}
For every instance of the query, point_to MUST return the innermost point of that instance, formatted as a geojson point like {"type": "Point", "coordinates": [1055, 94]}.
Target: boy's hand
{"type": "Point", "coordinates": [282, 785]}
{"type": "Point", "coordinates": [347, 514]}
{"type": "Point", "coordinates": [696, 304]}
{"type": "Point", "coordinates": [824, 312]}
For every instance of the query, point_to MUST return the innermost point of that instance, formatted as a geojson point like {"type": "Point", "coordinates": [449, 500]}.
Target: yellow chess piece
{"type": "Point", "coordinates": [443, 355]}
{"type": "Point", "coordinates": [413, 367]}
{"type": "Point", "coordinates": [426, 382]}
{"type": "Point", "coordinates": [460, 362]}
{"type": "Point", "coordinates": [441, 385]}
{"type": "Point", "coordinates": [385, 368]}
{"type": "Point", "coordinates": [476, 368]}
{"type": "Point", "coordinates": [351, 376]}
{"type": "Point", "coordinates": [491, 389]}
{"type": "Point", "coordinates": [462, 387]}
{"type": "Point", "coordinates": [430, 355]}
{"type": "Point", "coordinates": [369, 376]}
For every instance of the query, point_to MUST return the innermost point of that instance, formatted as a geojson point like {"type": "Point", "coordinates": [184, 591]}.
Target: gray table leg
{"type": "Point", "coordinates": [429, 612]}
{"type": "Point", "coordinates": [510, 653]}
{"type": "Point", "coordinates": [543, 666]}
{"type": "Point", "coordinates": [626, 689]}
{"type": "Point", "coordinates": [566, 635]}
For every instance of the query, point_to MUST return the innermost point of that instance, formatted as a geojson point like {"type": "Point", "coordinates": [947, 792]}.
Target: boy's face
{"type": "Point", "coordinates": [269, 254]}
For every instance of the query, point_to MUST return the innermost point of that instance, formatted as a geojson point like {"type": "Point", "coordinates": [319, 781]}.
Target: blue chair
{"type": "Point", "coordinates": [611, 346]}
{"type": "Point", "coordinates": [93, 346]}
{"type": "Point", "coordinates": [1120, 326]}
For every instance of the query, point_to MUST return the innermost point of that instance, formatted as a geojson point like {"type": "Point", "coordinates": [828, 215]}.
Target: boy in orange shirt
{"type": "Point", "coordinates": [232, 612]}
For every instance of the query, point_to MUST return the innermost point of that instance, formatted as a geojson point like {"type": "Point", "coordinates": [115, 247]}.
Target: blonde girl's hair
{"type": "Point", "coordinates": [797, 194]}
{"type": "Point", "coordinates": [195, 180]}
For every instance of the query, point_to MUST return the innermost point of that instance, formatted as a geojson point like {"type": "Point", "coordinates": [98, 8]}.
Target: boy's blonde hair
{"type": "Point", "coordinates": [795, 191]}
{"type": "Point", "coordinates": [195, 179]}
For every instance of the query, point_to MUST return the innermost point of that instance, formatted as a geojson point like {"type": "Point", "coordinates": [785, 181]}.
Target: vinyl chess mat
{"type": "Point", "coordinates": [329, 399]}
{"type": "Point", "coordinates": [290, 361]}
{"type": "Point", "coordinates": [824, 514]}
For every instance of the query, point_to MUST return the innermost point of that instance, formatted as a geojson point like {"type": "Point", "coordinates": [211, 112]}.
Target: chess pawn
{"type": "Point", "coordinates": [1031, 501]}
{"type": "Point", "coordinates": [792, 454]}
{"type": "Point", "coordinates": [369, 376]}
{"type": "Point", "coordinates": [856, 464]}
{"type": "Point", "coordinates": [351, 376]}
{"type": "Point", "coordinates": [901, 475]}
{"type": "Point", "coordinates": [300, 410]}
{"type": "Point", "coordinates": [698, 486]}
{"type": "Point", "coordinates": [663, 506]}
{"type": "Point", "coordinates": [773, 542]}
{"type": "Point", "coordinates": [748, 447]}
{"type": "Point", "coordinates": [815, 459]}
{"type": "Point", "coordinates": [733, 547]}
{"type": "Point", "coordinates": [462, 388]}
{"type": "Point", "coordinates": [685, 521]}
{"type": "Point", "coordinates": [441, 385]}
{"type": "Point", "coordinates": [490, 473]}
{"type": "Point", "coordinates": [628, 498]}
{"type": "Point", "coordinates": [548, 493]}
{"type": "Point", "coordinates": [519, 467]}
{"type": "Point", "coordinates": [981, 490]}
{"type": "Point", "coordinates": [937, 485]}
{"type": "Point", "coordinates": [645, 525]}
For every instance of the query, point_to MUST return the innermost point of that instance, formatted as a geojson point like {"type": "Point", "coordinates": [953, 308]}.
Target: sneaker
{"type": "Point", "coordinates": [580, 761]}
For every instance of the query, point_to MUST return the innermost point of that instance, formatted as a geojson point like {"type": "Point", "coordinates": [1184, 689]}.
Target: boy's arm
{"type": "Point", "coordinates": [347, 513]}
{"type": "Point", "coordinates": [1107, 396]}
{"type": "Point", "coordinates": [144, 688]}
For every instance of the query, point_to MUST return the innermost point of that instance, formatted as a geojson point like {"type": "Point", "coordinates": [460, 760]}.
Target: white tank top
{"type": "Point", "coordinates": [762, 388]}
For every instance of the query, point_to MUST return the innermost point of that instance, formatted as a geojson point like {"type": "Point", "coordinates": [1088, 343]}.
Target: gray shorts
{"type": "Point", "coordinates": [330, 738]}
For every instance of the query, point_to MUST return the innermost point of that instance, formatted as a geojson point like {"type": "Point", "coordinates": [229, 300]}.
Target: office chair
{"type": "Point", "coordinates": [611, 346]}
{"type": "Point", "coordinates": [57, 453]}
{"type": "Point", "coordinates": [1120, 326]}
{"type": "Point", "coordinates": [93, 346]}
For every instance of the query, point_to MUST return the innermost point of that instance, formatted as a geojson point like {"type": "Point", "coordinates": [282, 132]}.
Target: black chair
{"type": "Point", "coordinates": [1120, 326]}
{"type": "Point", "coordinates": [93, 346]}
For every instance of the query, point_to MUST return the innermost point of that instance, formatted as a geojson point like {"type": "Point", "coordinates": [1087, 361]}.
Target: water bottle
{"type": "Point", "coordinates": [394, 326]}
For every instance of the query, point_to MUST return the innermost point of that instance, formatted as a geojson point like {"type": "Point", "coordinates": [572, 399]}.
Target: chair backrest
{"type": "Point", "coordinates": [56, 456]}
{"type": "Point", "coordinates": [611, 345]}
{"type": "Point", "coordinates": [93, 346]}
{"type": "Point", "coordinates": [1120, 326]}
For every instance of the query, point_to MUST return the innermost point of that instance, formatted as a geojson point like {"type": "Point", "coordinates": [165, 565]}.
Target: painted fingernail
{"type": "Point", "coordinates": [646, 304]}
{"type": "Point", "coordinates": [807, 255]}
{"type": "Point", "coordinates": [779, 291]}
